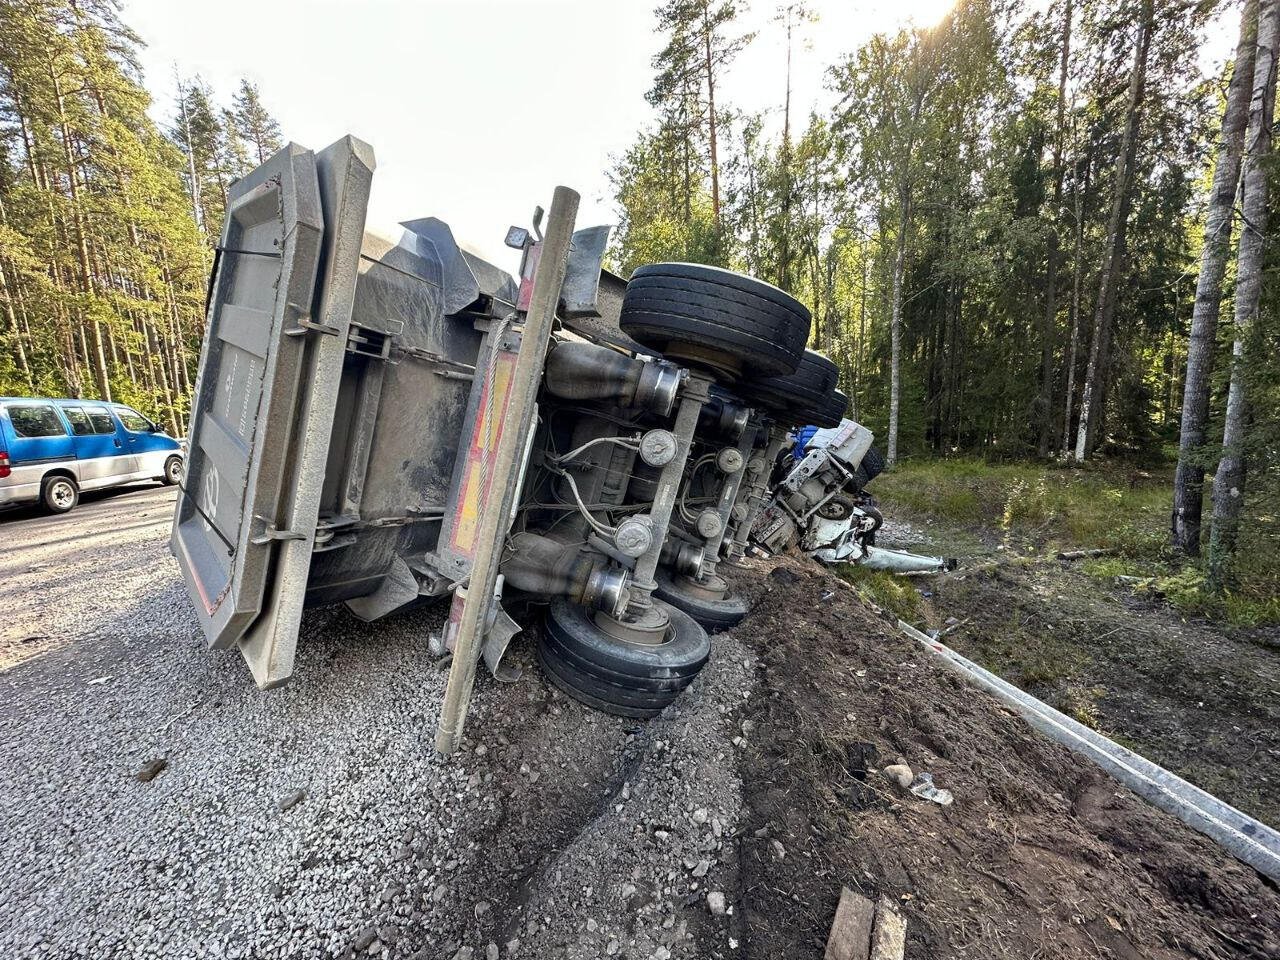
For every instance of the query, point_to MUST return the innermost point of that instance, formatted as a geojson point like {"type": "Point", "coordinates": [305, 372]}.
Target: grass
{"type": "Point", "coordinates": [892, 593]}
{"type": "Point", "coordinates": [1059, 507]}
{"type": "Point", "coordinates": [1103, 506]}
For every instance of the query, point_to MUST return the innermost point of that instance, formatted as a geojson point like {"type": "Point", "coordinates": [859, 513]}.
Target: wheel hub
{"type": "Point", "coordinates": [724, 365]}
{"type": "Point", "coordinates": [648, 627]}
{"type": "Point", "coordinates": [710, 587]}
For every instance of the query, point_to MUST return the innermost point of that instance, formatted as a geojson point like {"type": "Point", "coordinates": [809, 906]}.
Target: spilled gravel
{"type": "Point", "coordinates": [154, 803]}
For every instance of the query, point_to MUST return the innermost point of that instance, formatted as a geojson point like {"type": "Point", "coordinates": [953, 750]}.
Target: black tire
{"type": "Point", "coordinates": [628, 679]}
{"type": "Point", "coordinates": [670, 305]}
{"type": "Point", "coordinates": [872, 463]}
{"type": "Point", "coordinates": [172, 471]}
{"type": "Point", "coordinates": [714, 615]}
{"type": "Point", "coordinates": [836, 406]}
{"type": "Point", "coordinates": [59, 494]}
{"type": "Point", "coordinates": [809, 387]}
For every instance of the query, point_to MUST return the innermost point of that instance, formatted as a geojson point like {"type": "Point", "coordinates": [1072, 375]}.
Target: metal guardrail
{"type": "Point", "coordinates": [1248, 840]}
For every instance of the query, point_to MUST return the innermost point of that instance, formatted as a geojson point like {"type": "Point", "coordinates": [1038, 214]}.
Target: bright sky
{"type": "Point", "coordinates": [476, 109]}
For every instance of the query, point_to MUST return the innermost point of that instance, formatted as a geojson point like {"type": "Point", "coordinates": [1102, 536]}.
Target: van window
{"type": "Point", "coordinates": [101, 420]}
{"type": "Point", "coordinates": [80, 424]}
{"type": "Point", "coordinates": [134, 421]}
{"type": "Point", "coordinates": [36, 420]}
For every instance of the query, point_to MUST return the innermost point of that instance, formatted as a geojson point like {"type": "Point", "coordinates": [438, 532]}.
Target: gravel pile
{"type": "Point", "coordinates": [153, 803]}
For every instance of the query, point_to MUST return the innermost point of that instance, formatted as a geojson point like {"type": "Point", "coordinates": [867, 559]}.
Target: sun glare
{"type": "Point", "coordinates": [928, 13]}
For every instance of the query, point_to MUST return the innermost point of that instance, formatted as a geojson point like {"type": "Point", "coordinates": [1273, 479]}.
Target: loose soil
{"type": "Point", "coordinates": [1199, 698]}
{"type": "Point", "coordinates": [1040, 855]}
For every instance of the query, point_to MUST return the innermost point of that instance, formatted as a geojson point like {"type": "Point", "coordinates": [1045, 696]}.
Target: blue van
{"type": "Point", "coordinates": [50, 450]}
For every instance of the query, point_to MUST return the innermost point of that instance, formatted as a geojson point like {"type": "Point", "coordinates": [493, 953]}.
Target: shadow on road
{"type": "Point", "coordinates": [35, 511]}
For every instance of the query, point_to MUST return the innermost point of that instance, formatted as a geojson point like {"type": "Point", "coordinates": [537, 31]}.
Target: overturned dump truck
{"type": "Point", "coordinates": [381, 420]}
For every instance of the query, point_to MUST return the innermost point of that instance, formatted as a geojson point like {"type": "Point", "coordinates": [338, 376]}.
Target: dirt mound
{"type": "Point", "coordinates": [1039, 855]}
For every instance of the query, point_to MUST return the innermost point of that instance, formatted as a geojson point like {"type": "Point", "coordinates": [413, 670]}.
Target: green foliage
{"type": "Point", "coordinates": [895, 594]}
{"type": "Point", "coordinates": [1098, 508]}
{"type": "Point", "coordinates": [102, 262]}
{"type": "Point", "coordinates": [1106, 506]}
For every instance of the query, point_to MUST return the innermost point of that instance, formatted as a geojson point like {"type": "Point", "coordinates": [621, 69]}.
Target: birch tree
{"type": "Point", "coordinates": [1188, 485]}
{"type": "Point", "coordinates": [1229, 481]}
{"type": "Point", "coordinates": [1091, 399]}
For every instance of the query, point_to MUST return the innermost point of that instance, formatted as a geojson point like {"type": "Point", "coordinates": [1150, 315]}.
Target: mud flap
{"type": "Point", "coordinates": [499, 630]}
{"type": "Point", "coordinates": [397, 589]}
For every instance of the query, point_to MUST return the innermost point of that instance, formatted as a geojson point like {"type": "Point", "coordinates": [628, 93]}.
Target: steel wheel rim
{"type": "Point", "coordinates": [61, 493]}
{"type": "Point", "coordinates": [175, 470]}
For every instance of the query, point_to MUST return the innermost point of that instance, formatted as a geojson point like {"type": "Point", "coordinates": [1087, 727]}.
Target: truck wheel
{"type": "Point", "coordinates": [827, 414]}
{"type": "Point", "coordinates": [734, 324]}
{"type": "Point", "coordinates": [627, 679]}
{"type": "Point", "coordinates": [714, 615]}
{"type": "Point", "coordinates": [172, 472]}
{"type": "Point", "coordinates": [809, 386]}
{"type": "Point", "coordinates": [59, 494]}
{"type": "Point", "coordinates": [872, 463]}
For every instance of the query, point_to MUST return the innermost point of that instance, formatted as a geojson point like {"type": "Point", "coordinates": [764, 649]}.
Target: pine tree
{"type": "Point", "coordinates": [251, 122]}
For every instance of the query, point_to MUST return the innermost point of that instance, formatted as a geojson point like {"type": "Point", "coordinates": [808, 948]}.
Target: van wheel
{"type": "Point", "coordinates": [172, 471]}
{"type": "Point", "coordinates": [59, 494]}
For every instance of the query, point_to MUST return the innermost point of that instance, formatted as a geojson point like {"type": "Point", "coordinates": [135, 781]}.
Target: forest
{"type": "Point", "coordinates": [108, 223]}
{"type": "Point", "coordinates": [1027, 232]}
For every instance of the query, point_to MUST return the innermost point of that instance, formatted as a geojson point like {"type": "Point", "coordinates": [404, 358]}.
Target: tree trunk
{"type": "Point", "coordinates": [1077, 275]}
{"type": "Point", "coordinates": [1188, 483]}
{"type": "Point", "coordinates": [862, 335]}
{"type": "Point", "coordinates": [1092, 396]}
{"type": "Point", "coordinates": [19, 349]}
{"type": "Point", "coordinates": [1044, 402]}
{"type": "Point", "coordinates": [711, 118]}
{"type": "Point", "coordinates": [99, 359]}
{"type": "Point", "coordinates": [895, 324]}
{"type": "Point", "coordinates": [1229, 482]}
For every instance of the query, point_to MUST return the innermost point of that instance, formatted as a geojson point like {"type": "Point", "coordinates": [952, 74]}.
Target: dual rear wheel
{"type": "Point", "coordinates": [735, 329]}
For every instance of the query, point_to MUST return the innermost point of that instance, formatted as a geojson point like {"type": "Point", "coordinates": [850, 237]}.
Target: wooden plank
{"type": "Point", "coordinates": [889, 937]}
{"type": "Point", "coordinates": [850, 937]}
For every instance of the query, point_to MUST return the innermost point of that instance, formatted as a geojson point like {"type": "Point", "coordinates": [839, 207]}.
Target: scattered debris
{"type": "Point", "coordinates": [292, 800]}
{"type": "Point", "coordinates": [1084, 554]}
{"type": "Point", "coordinates": [923, 786]}
{"type": "Point", "coordinates": [862, 930]}
{"type": "Point", "coordinates": [900, 774]}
